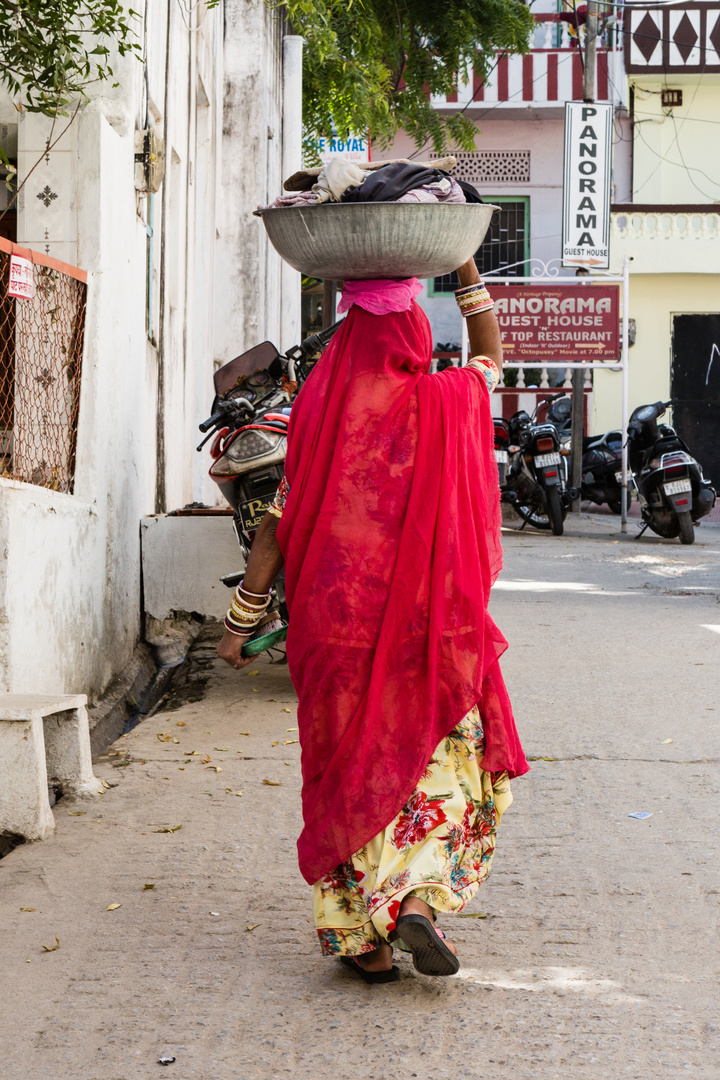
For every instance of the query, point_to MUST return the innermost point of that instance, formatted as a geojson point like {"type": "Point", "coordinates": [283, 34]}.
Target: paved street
{"type": "Point", "coordinates": [591, 953]}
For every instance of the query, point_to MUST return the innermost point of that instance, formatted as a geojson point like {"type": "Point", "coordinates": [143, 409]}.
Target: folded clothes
{"type": "Point", "coordinates": [397, 181]}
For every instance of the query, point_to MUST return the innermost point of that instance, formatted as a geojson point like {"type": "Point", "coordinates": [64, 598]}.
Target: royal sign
{"type": "Point", "coordinates": [559, 322]}
{"type": "Point", "coordinates": [586, 185]}
{"type": "Point", "coordinates": [355, 148]}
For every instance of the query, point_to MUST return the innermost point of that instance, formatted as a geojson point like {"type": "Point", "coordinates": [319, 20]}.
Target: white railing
{"type": "Point", "coordinates": [665, 225]}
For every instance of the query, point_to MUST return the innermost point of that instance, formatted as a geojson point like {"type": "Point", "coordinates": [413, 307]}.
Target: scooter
{"type": "Point", "coordinates": [673, 492]}
{"type": "Point", "coordinates": [535, 482]}
{"type": "Point", "coordinates": [254, 394]}
{"type": "Point", "coordinates": [601, 459]}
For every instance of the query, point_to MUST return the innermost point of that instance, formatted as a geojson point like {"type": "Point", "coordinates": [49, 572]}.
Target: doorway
{"type": "Point", "coordinates": [695, 383]}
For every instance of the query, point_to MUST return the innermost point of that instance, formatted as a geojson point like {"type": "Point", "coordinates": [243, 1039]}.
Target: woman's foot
{"type": "Point", "coordinates": [413, 905]}
{"type": "Point", "coordinates": [378, 960]}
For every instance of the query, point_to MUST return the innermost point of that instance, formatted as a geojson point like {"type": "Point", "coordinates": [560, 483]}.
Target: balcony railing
{"type": "Point", "coordinates": [667, 239]}
{"type": "Point", "coordinates": [550, 74]}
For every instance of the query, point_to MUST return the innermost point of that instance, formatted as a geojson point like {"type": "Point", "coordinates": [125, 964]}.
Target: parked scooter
{"type": "Point", "coordinates": [601, 460]}
{"type": "Point", "coordinates": [673, 492]}
{"type": "Point", "coordinates": [251, 410]}
{"type": "Point", "coordinates": [534, 480]}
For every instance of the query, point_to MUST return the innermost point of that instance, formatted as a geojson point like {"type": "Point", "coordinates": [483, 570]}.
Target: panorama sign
{"type": "Point", "coordinates": [586, 185]}
{"type": "Point", "coordinates": [554, 322]}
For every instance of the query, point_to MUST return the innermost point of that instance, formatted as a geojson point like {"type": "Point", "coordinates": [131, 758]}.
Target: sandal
{"type": "Point", "coordinates": [430, 954]}
{"type": "Point", "coordinates": [371, 976]}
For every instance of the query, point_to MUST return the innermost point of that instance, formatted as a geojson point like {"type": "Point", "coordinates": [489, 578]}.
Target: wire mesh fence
{"type": "Point", "coordinates": [41, 349]}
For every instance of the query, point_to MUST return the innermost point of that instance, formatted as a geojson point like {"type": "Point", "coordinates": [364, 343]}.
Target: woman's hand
{"type": "Point", "coordinates": [230, 650]}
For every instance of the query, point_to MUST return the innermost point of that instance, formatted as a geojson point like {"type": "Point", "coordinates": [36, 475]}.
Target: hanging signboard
{"type": "Point", "coordinates": [21, 281]}
{"type": "Point", "coordinates": [355, 148]}
{"type": "Point", "coordinates": [587, 178]}
{"type": "Point", "coordinates": [553, 322]}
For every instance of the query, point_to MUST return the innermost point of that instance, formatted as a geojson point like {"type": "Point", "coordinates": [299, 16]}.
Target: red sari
{"type": "Point", "coordinates": [391, 542]}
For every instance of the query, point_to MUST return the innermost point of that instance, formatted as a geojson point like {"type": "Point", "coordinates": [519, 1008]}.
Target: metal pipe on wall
{"type": "Point", "coordinates": [290, 301]}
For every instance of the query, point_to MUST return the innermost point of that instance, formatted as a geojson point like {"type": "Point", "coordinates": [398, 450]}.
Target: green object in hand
{"type": "Point", "coordinates": [260, 644]}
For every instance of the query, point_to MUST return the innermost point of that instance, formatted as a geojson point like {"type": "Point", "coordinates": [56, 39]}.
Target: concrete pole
{"type": "Point", "coordinates": [291, 162]}
{"type": "Point", "coordinates": [578, 376]}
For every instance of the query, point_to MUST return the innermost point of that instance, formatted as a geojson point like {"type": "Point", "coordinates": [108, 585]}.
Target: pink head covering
{"type": "Point", "coordinates": [380, 297]}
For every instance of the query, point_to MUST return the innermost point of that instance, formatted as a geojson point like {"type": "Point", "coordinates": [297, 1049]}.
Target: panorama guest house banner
{"type": "Point", "coordinates": [554, 322]}
{"type": "Point", "coordinates": [586, 185]}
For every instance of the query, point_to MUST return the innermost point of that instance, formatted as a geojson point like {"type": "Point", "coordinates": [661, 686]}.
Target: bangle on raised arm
{"type": "Point", "coordinates": [473, 299]}
{"type": "Point", "coordinates": [488, 367]}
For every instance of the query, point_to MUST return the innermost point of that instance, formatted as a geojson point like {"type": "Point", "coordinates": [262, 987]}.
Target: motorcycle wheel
{"type": "Point", "coordinates": [532, 517]}
{"type": "Point", "coordinates": [687, 529]}
{"type": "Point", "coordinates": [615, 505]}
{"type": "Point", "coordinates": [554, 509]}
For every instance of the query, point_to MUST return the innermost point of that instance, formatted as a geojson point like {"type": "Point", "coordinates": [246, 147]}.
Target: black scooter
{"type": "Point", "coordinates": [673, 492]}
{"type": "Point", "coordinates": [534, 480]}
{"type": "Point", "coordinates": [601, 460]}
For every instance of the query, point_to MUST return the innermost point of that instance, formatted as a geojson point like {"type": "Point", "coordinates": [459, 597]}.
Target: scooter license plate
{"type": "Point", "coordinates": [501, 456]}
{"type": "Point", "coordinates": [547, 459]}
{"type": "Point", "coordinates": [675, 487]}
{"type": "Point", "coordinates": [254, 511]}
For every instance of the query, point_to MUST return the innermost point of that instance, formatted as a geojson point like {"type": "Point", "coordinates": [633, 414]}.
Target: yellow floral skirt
{"type": "Point", "coordinates": [439, 847]}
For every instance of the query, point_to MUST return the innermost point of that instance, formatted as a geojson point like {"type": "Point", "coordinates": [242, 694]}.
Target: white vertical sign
{"type": "Point", "coordinates": [587, 179]}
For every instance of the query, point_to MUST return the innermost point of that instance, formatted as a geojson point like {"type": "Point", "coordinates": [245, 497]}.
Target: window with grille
{"type": "Point", "coordinates": [505, 247]}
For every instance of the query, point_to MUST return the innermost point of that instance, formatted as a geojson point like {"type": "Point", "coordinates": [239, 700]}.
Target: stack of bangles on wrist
{"type": "Point", "coordinates": [472, 299]}
{"type": "Point", "coordinates": [488, 368]}
{"type": "Point", "coordinates": [243, 616]}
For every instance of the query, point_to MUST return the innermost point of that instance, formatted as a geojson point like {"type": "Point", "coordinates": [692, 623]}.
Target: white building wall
{"type": "Point", "coordinates": [70, 583]}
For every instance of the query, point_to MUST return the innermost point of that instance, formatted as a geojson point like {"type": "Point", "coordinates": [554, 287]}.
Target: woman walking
{"type": "Point", "coordinates": [388, 525]}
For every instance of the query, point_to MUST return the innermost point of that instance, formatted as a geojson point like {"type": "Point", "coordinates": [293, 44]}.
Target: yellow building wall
{"type": "Point", "coordinates": [654, 299]}
{"type": "Point", "coordinates": [676, 152]}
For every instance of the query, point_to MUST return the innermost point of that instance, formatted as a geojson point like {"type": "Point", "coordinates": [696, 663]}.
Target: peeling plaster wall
{"type": "Point", "coordinates": [70, 577]}
{"type": "Point", "coordinates": [247, 299]}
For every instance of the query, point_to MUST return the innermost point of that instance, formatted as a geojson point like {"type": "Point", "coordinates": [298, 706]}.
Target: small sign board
{"type": "Point", "coordinates": [553, 322]}
{"type": "Point", "coordinates": [587, 177]}
{"type": "Point", "coordinates": [21, 282]}
{"type": "Point", "coordinates": [355, 148]}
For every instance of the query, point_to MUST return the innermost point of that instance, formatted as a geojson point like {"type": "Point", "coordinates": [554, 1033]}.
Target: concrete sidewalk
{"type": "Point", "coordinates": [591, 953]}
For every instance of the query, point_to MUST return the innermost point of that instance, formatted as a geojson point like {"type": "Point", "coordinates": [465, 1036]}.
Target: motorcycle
{"type": "Point", "coordinates": [534, 481]}
{"type": "Point", "coordinates": [601, 459]}
{"type": "Point", "coordinates": [673, 492]}
{"type": "Point", "coordinates": [254, 394]}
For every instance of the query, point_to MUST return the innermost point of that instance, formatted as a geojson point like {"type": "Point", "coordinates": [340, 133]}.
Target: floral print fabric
{"type": "Point", "coordinates": [439, 847]}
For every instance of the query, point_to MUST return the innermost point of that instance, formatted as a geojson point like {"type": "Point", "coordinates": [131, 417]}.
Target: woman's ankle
{"type": "Point", "coordinates": [413, 905]}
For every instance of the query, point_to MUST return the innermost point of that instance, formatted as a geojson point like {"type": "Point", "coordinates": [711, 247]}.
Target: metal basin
{"type": "Point", "coordinates": [377, 240]}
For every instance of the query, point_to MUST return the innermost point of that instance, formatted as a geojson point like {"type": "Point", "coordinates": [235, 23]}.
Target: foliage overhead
{"type": "Point", "coordinates": [51, 50]}
{"type": "Point", "coordinates": [369, 65]}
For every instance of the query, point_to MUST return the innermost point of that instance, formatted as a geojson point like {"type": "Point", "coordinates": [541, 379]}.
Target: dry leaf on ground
{"type": "Point", "coordinates": [273, 783]}
{"type": "Point", "coordinates": [286, 710]}
{"type": "Point", "coordinates": [167, 828]}
{"type": "Point", "coordinates": [665, 742]}
{"type": "Point", "coordinates": [222, 749]}
{"type": "Point", "coordinates": [206, 759]}
{"type": "Point", "coordinates": [289, 742]}
{"type": "Point", "coordinates": [52, 948]}
{"type": "Point", "coordinates": [27, 908]}
{"type": "Point", "coordinates": [249, 673]}
{"type": "Point", "coordinates": [113, 907]}
{"type": "Point", "coordinates": [252, 926]}
{"type": "Point", "coordinates": [180, 723]}
{"type": "Point", "coordinates": [217, 768]}
{"type": "Point", "coordinates": [229, 791]}
{"type": "Point", "coordinates": [473, 915]}
{"type": "Point", "coordinates": [148, 885]}
{"type": "Point", "coordinates": [76, 813]}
